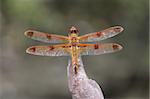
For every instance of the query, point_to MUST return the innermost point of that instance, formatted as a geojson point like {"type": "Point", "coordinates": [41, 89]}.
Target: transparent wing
{"type": "Point", "coordinates": [97, 49]}
{"type": "Point", "coordinates": [54, 50]}
{"type": "Point", "coordinates": [101, 35]}
{"type": "Point", "coordinates": [46, 37]}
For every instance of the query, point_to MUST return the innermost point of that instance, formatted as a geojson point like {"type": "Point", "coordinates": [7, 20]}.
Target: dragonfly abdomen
{"type": "Point", "coordinates": [75, 59]}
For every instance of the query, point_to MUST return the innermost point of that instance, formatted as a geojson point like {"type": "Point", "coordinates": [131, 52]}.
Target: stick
{"type": "Point", "coordinates": [80, 86]}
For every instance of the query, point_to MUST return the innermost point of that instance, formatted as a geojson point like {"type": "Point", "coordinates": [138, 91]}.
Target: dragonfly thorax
{"type": "Point", "coordinates": [74, 41]}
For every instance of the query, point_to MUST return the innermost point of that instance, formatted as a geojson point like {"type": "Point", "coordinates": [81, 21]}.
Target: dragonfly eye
{"type": "Point", "coordinates": [71, 31]}
{"type": "Point", "coordinates": [75, 31]}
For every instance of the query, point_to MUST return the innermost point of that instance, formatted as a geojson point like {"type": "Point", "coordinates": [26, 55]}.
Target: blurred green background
{"type": "Point", "coordinates": [121, 75]}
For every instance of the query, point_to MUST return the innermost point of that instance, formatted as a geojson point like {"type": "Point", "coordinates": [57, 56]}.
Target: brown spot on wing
{"type": "Point", "coordinates": [30, 33]}
{"type": "Point", "coordinates": [98, 34]}
{"type": "Point", "coordinates": [64, 46]}
{"type": "Point", "coordinates": [96, 46]}
{"type": "Point", "coordinates": [32, 49]}
{"type": "Point", "coordinates": [48, 36]}
{"type": "Point", "coordinates": [84, 45]}
{"type": "Point", "coordinates": [51, 47]}
{"type": "Point", "coordinates": [115, 47]}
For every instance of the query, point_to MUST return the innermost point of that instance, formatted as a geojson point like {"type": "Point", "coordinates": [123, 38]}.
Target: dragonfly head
{"type": "Point", "coordinates": [73, 31]}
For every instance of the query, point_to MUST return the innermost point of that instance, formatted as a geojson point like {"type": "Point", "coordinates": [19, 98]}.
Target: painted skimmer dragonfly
{"type": "Point", "coordinates": [74, 45]}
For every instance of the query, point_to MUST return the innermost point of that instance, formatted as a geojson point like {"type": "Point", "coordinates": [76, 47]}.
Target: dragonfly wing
{"type": "Point", "coordinates": [54, 50]}
{"type": "Point", "coordinates": [101, 35]}
{"type": "Point", "coordinates": [98, 49]}
{"type": "Point", "coordinates": [46, 37]}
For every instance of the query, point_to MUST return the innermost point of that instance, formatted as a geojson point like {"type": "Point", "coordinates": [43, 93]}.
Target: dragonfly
{"type": "Point", "coordinates": [74, 45]}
